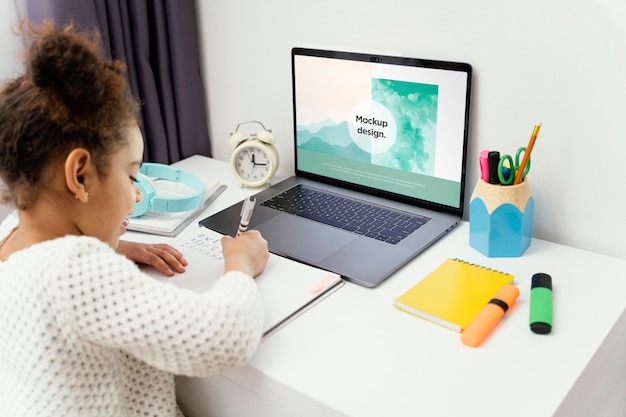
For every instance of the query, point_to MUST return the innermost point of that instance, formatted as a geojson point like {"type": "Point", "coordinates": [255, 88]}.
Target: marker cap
{"type": "Point", "coordinates": [541, 280]}
{"type": "Point", "coordinates": [508, 294]}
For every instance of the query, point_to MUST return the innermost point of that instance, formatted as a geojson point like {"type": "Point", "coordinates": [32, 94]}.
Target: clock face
{"type": "Point", "coordinates": [253, 165]}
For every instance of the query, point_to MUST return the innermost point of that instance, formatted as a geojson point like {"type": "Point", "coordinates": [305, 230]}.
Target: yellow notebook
{"type": "Point", "coordinates": [453, 294]}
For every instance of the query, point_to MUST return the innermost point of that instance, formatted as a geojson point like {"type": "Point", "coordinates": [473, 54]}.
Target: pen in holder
{"type": "Point", "coordinates": [501, 219]}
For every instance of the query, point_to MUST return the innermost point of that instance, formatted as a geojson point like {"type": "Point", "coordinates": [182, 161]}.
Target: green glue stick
{"type": "Point", "coordinates": [541, 304]}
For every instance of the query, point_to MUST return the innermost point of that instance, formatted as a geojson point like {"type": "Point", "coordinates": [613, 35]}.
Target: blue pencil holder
{"type": "Point", "coordinates": [501, 219]}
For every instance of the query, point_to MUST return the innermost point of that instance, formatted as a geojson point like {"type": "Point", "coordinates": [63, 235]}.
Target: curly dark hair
{"type": "Point", "coordinates": [70, 96]}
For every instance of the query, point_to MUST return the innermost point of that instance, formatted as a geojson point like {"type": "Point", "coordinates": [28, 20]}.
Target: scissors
{"type": "Point", "coordinates": [507, 174]}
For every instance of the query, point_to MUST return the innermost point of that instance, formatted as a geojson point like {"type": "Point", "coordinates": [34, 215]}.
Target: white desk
{"type": "Point", "coordinates": [354, 354]}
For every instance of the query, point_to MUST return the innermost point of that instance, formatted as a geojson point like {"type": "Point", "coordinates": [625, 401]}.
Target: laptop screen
{"type": "Point", "coordinates": [390, 126]}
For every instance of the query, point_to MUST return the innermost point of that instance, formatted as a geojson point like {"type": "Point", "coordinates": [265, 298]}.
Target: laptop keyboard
{"type": "Point", "coordinates": [355, 216]}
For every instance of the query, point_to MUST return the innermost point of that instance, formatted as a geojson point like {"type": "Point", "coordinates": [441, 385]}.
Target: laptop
{"type": "Point", "coordinates": [380, 146]}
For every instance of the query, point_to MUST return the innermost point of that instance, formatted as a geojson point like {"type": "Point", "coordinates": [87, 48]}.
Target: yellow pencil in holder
{"type": "Point", "coordinates": [501, 219]}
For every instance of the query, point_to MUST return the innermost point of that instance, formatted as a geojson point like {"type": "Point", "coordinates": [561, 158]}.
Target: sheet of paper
{"type": "Point", "coordinates": [287, 287]}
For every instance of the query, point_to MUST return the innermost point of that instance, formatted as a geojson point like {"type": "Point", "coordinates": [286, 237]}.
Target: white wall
{"type": "Point", "coordinates": [11, 48]}
{"type": "Point", "coordinates": [560, 63]}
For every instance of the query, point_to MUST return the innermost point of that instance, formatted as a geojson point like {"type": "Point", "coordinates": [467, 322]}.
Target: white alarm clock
{"type": "Point", "coordinates": [255, 159]}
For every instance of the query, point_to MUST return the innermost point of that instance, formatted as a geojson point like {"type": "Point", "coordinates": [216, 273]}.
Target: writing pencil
{"type": "Point", "coordinates": [529, 148]}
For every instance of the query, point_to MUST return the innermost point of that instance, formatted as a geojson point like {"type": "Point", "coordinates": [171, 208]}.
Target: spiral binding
{"type": "Point", "coordinates": [481, 266]}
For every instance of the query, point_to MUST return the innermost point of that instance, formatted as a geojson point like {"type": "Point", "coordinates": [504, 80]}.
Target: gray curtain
{"type": "Point", "coordinates": [158, 41]}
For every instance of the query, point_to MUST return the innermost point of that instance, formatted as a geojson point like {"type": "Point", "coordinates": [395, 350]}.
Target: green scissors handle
{"type": "Point", "coordinates": [513, 167]}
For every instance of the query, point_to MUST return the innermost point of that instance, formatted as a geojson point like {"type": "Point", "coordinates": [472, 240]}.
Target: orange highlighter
{"type": "Point", "coordinates": [489, 316]}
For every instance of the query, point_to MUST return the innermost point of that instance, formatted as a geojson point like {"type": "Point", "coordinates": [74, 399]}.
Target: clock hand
{"type": "Point", "coordinates": [254, 162]}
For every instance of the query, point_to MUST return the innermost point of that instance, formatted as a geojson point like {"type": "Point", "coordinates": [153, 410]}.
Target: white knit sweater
{"type": "Point", "coordinates": [84, 333]}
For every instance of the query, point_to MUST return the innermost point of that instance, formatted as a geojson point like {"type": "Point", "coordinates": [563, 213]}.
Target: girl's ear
{"type": "Point", "coordinates": [78, 168]}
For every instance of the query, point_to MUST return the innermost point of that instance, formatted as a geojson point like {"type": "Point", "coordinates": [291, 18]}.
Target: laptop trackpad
{"type": "Point", "coordinates": [299, 238]}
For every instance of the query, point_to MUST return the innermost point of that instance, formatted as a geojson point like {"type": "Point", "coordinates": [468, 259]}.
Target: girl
{"type": "Point", "coordinates": [82, 330]}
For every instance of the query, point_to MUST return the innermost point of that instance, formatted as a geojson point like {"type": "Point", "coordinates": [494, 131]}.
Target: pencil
{"type": "Point", "coordinates": [529, 148]}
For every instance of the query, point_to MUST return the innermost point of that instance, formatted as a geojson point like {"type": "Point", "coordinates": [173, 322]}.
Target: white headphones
{"type": "Point", "coordinates": [163, 204]}
{"type": "Point", "coordinates": [265, 135]}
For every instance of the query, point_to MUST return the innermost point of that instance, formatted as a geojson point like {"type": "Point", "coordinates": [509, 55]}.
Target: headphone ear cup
{"type": "Point", "coordinates": [144, 185]}
{"type": "Point", "coordinates": [235, 138]}
{"type": "Point", "coordinates": [266, 136]}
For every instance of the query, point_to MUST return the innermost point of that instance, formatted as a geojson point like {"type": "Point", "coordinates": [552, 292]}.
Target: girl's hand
{"type": "Point", "coordinates": [246, 253]}
{"type": "Point", "coordinates": [163, 257]}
